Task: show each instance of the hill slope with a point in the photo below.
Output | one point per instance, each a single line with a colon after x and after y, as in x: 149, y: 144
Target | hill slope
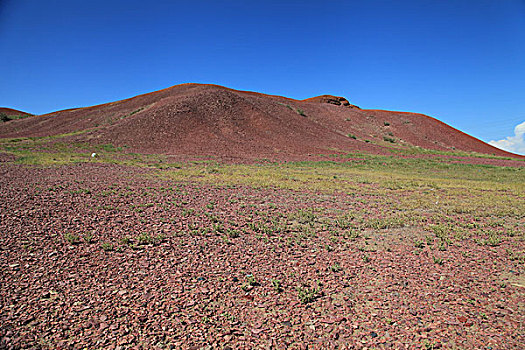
x: 196, y: 119
x: 11, y: 111
x: 9, y: 114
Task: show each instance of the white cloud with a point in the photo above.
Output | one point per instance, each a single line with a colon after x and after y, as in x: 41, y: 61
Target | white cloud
x: 514, y: 144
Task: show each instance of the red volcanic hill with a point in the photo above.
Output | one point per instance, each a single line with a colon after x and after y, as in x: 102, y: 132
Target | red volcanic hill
x: 196, y: 119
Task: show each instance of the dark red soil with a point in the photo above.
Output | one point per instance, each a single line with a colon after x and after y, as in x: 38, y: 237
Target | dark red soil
x: 210, y: 120
x: 191, y: 290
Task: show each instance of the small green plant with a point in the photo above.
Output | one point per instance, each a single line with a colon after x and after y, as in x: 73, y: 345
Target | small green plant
x: 307, y: 295
x: 493, y: 240
x: 390, y: 321
x: 4, y: 117
x: 352, y: 235
x: 286, y: 105
x: 107, y: 246
x: 130, y: 114
x: 352, y: 136
x: 336, y: 267
x: 145, y: 238
x: 232, y: 233
x: 389, y: 139
x: 438, y: 261
x: 301, y: 112
x: 252, y: 281
x: 125, y: 241
x: 277, y: 287
x: 72, y: 238
x: 81, y: 191
x: 428, y: 345
x: 88, y: 237
x: 419, y: 244
x: 386, y: 124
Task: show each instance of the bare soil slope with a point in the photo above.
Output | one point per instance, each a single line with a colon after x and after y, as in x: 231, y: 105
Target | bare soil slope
x: 196, y: 119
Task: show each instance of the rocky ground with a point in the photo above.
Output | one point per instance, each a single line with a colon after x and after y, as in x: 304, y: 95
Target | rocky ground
x: 107, y: 256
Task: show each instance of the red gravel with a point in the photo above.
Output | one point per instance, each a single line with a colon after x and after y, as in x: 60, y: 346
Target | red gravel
x: 190, y: 289
x: 204, y: 120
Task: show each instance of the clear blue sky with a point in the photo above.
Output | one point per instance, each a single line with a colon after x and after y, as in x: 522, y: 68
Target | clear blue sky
x: 461, y: 61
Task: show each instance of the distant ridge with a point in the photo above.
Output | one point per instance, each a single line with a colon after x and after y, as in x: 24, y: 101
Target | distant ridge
x: 11, y: 111
x: 211, y: 120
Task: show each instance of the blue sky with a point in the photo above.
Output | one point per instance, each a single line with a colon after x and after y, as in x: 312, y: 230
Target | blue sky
x: 461, y: 61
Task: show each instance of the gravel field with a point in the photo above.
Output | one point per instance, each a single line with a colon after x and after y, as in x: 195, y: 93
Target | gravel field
x: 115, y: 257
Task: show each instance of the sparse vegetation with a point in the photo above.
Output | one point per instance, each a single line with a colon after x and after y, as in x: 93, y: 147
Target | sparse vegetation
x: 301, y: 112
x: 277, y: 287
x: 251, y: 282
x: 106, y: 246
x: 72, y: 238
x: 4, y: 117
x: 88, y: 237
x: 335, y: 268
x: 307, y: 295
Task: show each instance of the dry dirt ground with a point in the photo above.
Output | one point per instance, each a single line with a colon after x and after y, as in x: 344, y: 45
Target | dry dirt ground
x: 109, y: 256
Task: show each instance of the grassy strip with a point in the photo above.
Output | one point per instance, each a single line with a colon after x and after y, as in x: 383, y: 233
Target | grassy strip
x: 446, y: 199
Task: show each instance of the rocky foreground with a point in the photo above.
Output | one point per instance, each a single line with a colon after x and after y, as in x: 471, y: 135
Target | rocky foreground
x: 106, y: 256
